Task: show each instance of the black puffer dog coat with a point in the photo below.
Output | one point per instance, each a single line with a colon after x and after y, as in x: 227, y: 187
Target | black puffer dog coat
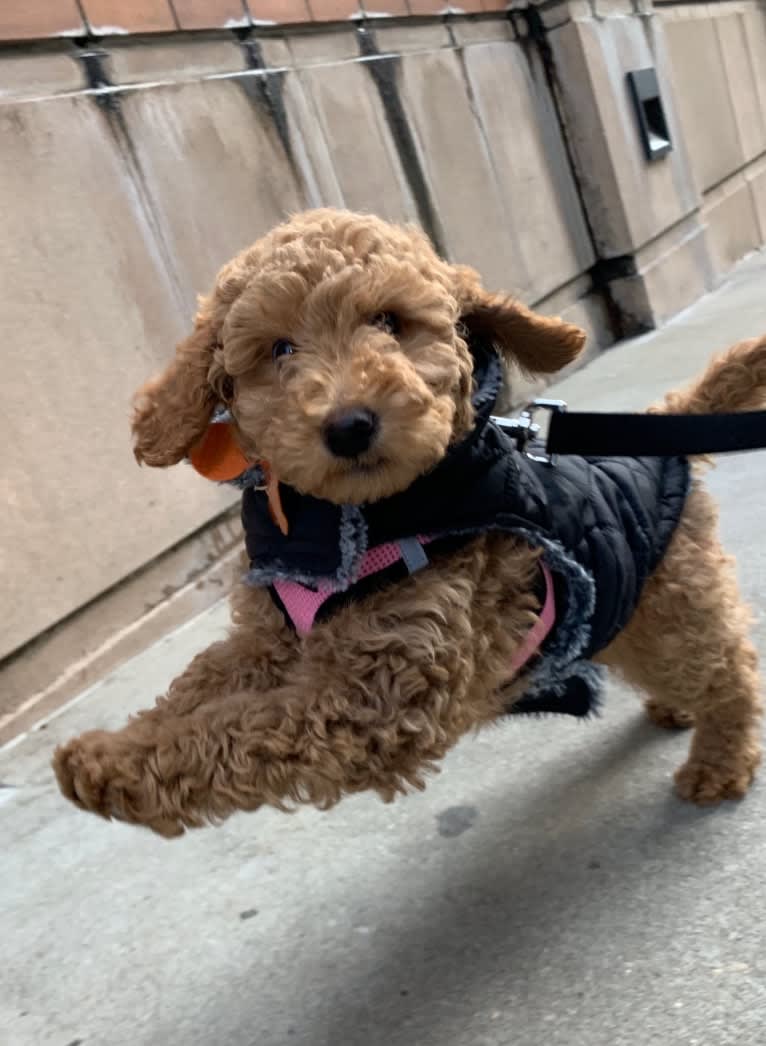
x: 603, y: 524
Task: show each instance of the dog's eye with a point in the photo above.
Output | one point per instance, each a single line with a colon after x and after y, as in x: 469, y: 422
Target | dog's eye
x: 386, y: 321
x: 281, y: 349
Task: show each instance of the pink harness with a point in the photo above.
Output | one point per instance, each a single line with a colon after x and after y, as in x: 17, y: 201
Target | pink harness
x: 302, y: 604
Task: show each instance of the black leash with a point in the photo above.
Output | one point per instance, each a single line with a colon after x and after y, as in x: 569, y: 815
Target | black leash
x: 633, y: 435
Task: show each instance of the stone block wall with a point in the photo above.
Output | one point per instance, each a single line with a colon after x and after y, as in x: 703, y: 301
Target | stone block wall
x: 665, y: 231
x: 717, y: 56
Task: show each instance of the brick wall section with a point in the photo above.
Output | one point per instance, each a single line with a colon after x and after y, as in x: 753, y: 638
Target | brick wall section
x: 41, y: 19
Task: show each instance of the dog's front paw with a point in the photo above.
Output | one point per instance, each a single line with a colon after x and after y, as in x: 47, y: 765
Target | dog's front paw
x: 705, y: 784
x: 107, y: 775
x: 82, y: 771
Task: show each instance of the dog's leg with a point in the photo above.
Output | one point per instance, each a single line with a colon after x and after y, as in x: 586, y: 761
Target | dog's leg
x: 376, y: 697
x: 687, y: 647
x: 251, y: 659
x: 96, y: 767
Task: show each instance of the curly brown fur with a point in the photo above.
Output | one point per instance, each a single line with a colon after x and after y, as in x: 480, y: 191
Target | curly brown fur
x: 687, y: 645
x: 374, y: 697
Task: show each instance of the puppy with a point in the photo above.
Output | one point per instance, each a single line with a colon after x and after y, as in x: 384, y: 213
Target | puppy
x: 412, y: 576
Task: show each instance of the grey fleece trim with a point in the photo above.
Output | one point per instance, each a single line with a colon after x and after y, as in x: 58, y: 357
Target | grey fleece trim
x: 561, y: 661
x: 572, y: 631
x: 260, y: 578
x: 353, y: 547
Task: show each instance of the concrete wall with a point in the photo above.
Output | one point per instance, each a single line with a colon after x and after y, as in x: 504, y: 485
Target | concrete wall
x: 666, y: 230
x: 134, y: 165
x: 718, y: 67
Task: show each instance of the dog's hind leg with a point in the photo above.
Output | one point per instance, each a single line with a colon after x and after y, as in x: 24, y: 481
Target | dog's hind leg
x: 688, y: 648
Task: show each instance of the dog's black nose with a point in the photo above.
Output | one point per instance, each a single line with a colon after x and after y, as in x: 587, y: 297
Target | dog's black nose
x: 350, y: 433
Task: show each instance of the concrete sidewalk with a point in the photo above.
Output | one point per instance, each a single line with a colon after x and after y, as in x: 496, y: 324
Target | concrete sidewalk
x: 546, y: 889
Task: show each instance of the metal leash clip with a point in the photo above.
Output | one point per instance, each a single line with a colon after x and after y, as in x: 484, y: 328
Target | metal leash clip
x: 526, y: 430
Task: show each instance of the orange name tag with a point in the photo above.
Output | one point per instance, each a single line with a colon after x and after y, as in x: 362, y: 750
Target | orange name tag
x: 217, y: 455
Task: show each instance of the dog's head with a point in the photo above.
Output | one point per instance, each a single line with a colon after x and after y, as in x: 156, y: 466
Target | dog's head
x: 338, y: 342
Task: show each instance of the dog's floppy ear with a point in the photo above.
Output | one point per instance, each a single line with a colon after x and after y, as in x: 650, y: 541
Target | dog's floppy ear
x: 172, y: 410
x: 538, y: 344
